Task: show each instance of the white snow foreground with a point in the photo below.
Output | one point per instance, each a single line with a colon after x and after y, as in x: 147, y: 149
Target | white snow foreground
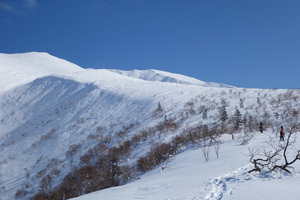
x: 53, y: 112
x: 189, y: 177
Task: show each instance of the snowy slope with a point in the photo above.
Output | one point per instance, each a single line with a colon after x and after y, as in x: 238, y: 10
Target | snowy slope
x: 61, y: 105
x: 49, y: 106
x: 161, y: 76
x: 189, y: 177
x: 18, y: 69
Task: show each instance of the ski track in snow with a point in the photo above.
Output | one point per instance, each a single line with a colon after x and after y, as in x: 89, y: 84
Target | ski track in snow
x: 224, y: 186
x: 220, y: 186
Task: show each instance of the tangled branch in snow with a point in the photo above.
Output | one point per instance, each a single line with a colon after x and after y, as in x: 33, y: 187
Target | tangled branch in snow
x: 262, y: 158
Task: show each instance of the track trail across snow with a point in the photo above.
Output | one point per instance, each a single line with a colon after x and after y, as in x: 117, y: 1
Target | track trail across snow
x: 223, y: 187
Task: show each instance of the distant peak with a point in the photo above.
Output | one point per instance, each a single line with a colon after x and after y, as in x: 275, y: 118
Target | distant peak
x: 163, y: 76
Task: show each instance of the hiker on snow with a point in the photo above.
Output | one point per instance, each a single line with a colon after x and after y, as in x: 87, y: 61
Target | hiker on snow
x: 261, y: 128
x: 281, y: 134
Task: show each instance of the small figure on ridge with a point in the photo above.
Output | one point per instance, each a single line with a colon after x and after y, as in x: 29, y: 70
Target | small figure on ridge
x: 282, y: 134
x: 261, y: 128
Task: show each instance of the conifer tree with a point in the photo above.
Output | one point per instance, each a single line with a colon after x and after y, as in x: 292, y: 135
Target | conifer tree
x: 237, y: 118
x: 223, y: 114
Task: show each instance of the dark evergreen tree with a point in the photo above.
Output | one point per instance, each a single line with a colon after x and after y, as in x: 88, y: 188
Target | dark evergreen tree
x: 204, y: 113
x: 223, y: 114
x: 237, y: 118
x: 241, y: 103
x: 258, y: 100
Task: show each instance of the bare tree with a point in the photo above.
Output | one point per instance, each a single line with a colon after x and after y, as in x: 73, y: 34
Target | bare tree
x: 217, y: 149
x: 206, y: 151
x: 289, y: 143
x: 262, y: 158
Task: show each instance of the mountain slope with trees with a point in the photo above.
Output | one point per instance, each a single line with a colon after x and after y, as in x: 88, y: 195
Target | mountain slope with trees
x: 78, y: 131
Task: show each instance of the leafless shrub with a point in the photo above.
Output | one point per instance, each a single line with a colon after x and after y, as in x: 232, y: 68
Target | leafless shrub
x: 179, y: 142
x: 206, y: 151
x: 127, y: 174
x: 122, y: 134
x: 224, y: 102
x: 158, y: 111
x: 45, y: 183
x: 20, y: 193
x: 100, y: 149
x: 246, y: 137
x: 166, y: 162
x: 41, y: 173
x: 80, y: 121
x: 48, y: 135
x: 190, y: 106
x: 42, y: 196
x: 136, y: 140
x: 217, y: 150
x: 168, y: 124
x: 73, y: 149
x: 55, y: 172
x: 262, y: 158
x: 41, y: 158
x: 33, y: 145
x: 158, y: 154
x: 100, y: 129
x: 92, y: 137
x: 107, y: 139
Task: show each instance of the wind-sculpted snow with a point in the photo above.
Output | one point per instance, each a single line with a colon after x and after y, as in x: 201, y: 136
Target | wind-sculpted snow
x: 42, y: 119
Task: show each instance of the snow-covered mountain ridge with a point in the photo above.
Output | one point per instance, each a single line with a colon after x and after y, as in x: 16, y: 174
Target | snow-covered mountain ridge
x: 17, y: 69
x: 161, y: 76
x: 54, y: 114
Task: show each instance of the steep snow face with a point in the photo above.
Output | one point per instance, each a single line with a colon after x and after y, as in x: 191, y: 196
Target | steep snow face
x: 41, y: 120
x: 161, y: 76
x: 18, y: 69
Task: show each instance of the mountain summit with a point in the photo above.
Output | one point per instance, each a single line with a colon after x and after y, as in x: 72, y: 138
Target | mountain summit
x: 18, y: 69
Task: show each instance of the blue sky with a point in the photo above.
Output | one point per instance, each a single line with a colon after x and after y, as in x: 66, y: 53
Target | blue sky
x: 246, y: 43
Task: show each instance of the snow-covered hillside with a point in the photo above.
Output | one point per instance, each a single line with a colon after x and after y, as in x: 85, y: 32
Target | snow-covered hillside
x: 57, y: 119
x: 161, y: 76
x: 189, y: 177
x: 18, y: 69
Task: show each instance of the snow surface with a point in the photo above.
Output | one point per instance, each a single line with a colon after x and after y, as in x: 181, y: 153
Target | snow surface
x: 162, y: 76
x: 18, y: 69
x: 189, y: 177
x: 48, y: 104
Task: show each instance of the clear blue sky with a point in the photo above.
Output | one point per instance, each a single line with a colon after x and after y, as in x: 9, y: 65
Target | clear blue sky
x: 247, y: 43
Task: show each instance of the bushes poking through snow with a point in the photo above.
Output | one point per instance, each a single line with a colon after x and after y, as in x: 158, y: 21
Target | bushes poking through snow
x: 279, y: 155
x: 104, y: 165
x: 105, y: 172
x: 157, y: 155
x: 73, y: 149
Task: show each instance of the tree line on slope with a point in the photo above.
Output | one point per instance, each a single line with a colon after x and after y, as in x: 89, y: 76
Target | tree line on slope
x: 103, y: 167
